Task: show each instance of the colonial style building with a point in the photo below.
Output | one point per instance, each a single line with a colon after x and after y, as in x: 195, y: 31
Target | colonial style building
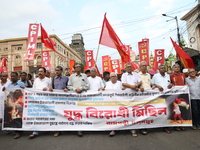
x: 15, y: 50
x: 78, y: 45
x: 192, y: 19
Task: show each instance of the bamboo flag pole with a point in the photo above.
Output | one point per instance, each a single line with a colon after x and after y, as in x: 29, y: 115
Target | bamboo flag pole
x: 97, y: 53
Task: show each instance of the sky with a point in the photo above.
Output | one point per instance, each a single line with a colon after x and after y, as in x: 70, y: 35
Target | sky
x: 132, y: 20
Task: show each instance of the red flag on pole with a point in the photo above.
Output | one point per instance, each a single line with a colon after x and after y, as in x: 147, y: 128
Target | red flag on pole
x: 32, y: 40
x: 159, y: 58
x: 109, y: 38
x: 71, y: 64
x: 185, y: 59
x: 143, y: 47
x: 48, y: 42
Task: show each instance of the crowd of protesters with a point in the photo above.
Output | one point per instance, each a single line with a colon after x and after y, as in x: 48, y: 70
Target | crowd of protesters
x: 137, y: 80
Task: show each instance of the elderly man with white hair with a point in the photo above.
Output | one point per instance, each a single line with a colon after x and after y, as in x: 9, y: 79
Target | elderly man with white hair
x: 95, y: 82
x: 114, y: 84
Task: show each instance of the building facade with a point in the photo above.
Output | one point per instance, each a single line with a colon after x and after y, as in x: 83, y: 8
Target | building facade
x: 77, y: 44
x: 192, y: 19
x: 15, y: 50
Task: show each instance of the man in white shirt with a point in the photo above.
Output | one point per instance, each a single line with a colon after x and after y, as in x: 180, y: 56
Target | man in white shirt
x: 4, y: 83
x: 43, y: 83
x: 114, y: 84
x: 131, y: 80
x: 95, y: 82
x: 161, y: 80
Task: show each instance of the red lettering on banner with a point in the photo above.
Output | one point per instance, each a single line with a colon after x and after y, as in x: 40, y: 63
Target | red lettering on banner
x: 73, y: 114
x: 148, y: 110
x: 93, y: 112
x: 32, y: 39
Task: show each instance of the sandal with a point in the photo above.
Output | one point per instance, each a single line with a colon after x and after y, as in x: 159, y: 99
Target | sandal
x: 177, y: 128
x: 17, y: 135
x: 80, y: 134
x: 8, y: 132
x: 134, y: 134
x: 56, y: 134
x: 32, y: 136
x: 112, y: 133
x: 144, y: 131
x: 167, y: 131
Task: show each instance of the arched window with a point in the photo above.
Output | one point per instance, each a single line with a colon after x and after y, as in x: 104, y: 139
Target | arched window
x: 18, y: 60
x: 39, y: 60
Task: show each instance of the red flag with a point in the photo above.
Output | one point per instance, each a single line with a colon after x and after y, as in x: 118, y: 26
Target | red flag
x: 185, y: 59
x: 71, y: 64
x: 32, y: 39
x: 106, y: 63
x: 143, y: 47
x: 126, y: 58
x: 109, y: 38
x: 89, y: 59
x: 115, y: 66
x: 48, y: 42
x: 159, y: 58
x: 134, y: 65
x: 46, y: 60
x: 3, y: 67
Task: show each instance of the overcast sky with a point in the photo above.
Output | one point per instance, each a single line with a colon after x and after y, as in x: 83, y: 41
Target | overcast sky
x: 131, y: 19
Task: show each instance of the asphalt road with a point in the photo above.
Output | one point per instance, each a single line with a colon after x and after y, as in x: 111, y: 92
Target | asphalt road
x: 157, y: 139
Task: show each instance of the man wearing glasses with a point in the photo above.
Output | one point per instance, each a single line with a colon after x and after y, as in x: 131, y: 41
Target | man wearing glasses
x: 78, y: 82
x: 131, y: 80
x: 59, y: 82
x: 194, y: 85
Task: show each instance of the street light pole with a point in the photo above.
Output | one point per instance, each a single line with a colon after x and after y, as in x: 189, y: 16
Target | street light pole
x: 177, y: 27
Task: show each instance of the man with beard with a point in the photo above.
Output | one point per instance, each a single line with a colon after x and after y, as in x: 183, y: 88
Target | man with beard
x: 42, y: 83
x: 15, y: 83
x: 59, y: 82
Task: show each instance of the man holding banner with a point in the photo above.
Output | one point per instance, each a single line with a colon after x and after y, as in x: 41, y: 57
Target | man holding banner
x: 131, y: 80
x: 95, y: 82
x: 161, y: 80
x: 43, y: 83
x: 146, y: 83
x: 78, y: 82
x: 59, y: 82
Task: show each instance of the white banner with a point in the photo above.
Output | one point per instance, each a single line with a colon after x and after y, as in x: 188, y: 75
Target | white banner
x: 32, y: 109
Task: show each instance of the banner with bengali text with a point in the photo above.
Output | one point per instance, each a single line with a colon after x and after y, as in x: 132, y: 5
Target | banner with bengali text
x: 30, y: 109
